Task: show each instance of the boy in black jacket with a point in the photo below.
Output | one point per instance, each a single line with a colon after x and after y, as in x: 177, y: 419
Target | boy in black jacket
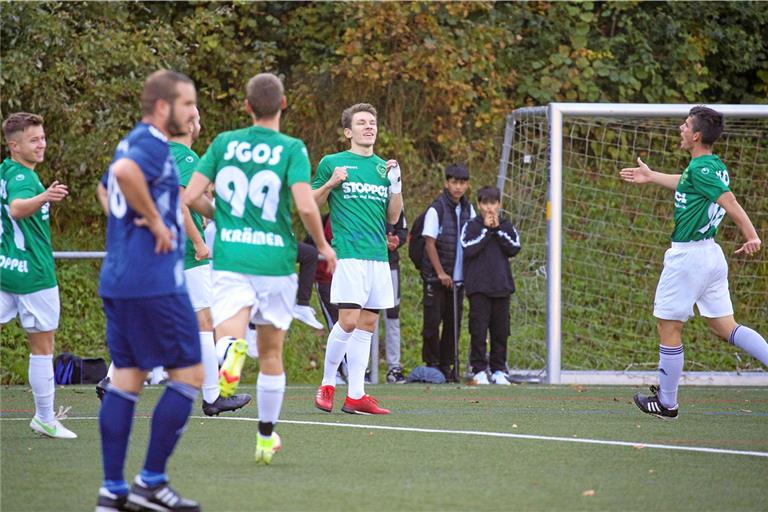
x: 489, y: 241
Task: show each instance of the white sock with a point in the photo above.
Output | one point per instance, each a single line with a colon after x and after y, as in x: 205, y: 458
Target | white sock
x: 269, y: 396
x: 253, y: 346
x: 210, y: 367
x: 43, y: 389
x: 671, y: 361
x: 335, y: 348
x: 111, y: 370
x: 750, y: 342
x: 358, y: 352
x: 222, y: 345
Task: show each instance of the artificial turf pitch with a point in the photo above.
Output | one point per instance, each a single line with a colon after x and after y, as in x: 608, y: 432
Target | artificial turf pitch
x: 444, y: 447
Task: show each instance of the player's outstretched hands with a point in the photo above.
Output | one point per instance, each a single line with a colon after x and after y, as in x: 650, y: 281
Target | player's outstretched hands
x: 56, y: 192
x: 639, y: 175
x: 327, y: 252
x: 339, y: 175
x: 163, y: 235
x: 750, y: 247
x: 394, y: 176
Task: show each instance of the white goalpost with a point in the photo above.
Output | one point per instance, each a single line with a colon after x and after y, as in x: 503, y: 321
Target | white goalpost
x: 593, y: 245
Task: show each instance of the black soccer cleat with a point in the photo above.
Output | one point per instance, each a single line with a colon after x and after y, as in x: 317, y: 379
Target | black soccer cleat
x: 101, y: 388
x: 109, y: 502
x: 161, y: 498
x: 652, y: 405
x: 395, y: 376
x: 230, y: 403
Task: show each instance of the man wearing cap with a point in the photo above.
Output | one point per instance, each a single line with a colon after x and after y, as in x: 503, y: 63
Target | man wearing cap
x: 441, y: 270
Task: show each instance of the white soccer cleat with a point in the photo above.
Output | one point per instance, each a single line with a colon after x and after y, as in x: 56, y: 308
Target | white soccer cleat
x: 481, y: 379
x: 53, y: 429
x: 500, y: 378
x: 307, y: 315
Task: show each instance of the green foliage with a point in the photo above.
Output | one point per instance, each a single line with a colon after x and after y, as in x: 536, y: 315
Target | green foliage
x: 442, y: 74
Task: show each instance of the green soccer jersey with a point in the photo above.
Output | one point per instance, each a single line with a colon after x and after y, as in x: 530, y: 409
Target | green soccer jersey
x: 186, y: 161
x: 26, y: 254
x: 253, y: 170
x: 697, y: 213
x: 358, y: 205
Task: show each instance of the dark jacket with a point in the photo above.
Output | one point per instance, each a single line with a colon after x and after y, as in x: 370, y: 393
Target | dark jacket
x: 448, y: 234
x: 486, y: 257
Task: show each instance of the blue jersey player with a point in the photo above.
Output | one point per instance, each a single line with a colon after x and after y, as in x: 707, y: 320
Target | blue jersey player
x: 150, y: 320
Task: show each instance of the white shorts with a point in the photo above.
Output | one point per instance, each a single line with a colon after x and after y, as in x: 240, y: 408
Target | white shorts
x: 366, y: 283
x: 199, y: 286
x: 39, y: 311
x: 271, y: 298
x: 694, y: 273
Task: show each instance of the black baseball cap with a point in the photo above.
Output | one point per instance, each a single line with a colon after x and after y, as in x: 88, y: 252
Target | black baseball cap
x: 458, y: 171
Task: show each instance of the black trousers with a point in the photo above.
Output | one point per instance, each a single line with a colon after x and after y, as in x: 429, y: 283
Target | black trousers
x: 488, y: 314
x: 307, y: 258
x: 438, y: 347
x: 330, y: 311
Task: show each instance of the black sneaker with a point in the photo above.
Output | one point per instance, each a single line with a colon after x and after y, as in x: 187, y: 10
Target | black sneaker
x: 395, y: 376
x: 221, y: 404
x: 101, y: 388
x: 651, y: 405
x: 160, y: 497
x: 109, y: 502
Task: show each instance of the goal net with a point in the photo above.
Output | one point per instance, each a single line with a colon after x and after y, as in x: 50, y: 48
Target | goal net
x: 593, y: 245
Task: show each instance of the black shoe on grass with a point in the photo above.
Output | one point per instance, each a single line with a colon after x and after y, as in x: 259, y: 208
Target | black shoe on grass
x: 109, y: 502
x: 221, y: 404
x: 161, y: 498
x: 101, y: 388
x: 652, y: 405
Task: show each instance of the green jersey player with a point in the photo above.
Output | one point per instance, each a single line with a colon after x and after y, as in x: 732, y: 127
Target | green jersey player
x: 198, y: 276
x: 258, y: 173
x: 364, y: 193
x: 28, y: 286
x: 695, y: 269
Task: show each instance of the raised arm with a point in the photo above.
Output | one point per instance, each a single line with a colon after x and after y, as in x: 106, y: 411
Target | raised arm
x: 320, y: 194
x: 741, y: 219
x: 20, y: 208
x: 643, y: 174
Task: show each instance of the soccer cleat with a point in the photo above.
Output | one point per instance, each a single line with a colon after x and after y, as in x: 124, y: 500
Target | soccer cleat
x: 229, y: 375
x: 266, y: 447
x: 101, y: 387
x: 324, y: 398
x: 395, y: 376
x: 53, y: 429
x: 161, y: 498
x: 481, y: 378
x: 109, y: 502
x: 652, y: 405
x: 221, y: 404
x: 500, y: 378
x: 307, y: 315
x: 363, y: 405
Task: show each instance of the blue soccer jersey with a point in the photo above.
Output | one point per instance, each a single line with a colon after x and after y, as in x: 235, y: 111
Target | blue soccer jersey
x: 131, y: 268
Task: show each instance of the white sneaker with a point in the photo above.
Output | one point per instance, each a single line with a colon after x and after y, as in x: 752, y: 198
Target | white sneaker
x: 54, y: 429
x: 499, y: 378
x: 481, y: 379
x: 307, y: 315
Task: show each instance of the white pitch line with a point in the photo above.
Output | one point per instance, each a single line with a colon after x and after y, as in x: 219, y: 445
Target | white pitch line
x: 479, y: 433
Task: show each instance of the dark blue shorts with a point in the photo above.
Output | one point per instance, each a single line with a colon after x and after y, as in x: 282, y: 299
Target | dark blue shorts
x: 152, y: 331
